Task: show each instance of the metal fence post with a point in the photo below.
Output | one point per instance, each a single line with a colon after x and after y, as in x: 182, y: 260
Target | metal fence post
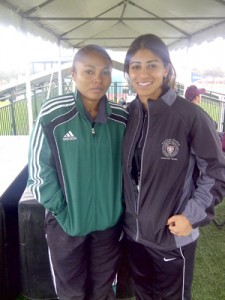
x: 12, y: 113
x: 115, y: 92
x: 35, y: 113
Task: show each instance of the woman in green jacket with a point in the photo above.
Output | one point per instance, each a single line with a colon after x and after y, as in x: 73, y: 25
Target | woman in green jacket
x: 75, y: 173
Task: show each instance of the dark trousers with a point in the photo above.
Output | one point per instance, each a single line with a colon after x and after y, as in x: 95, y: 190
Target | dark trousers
x: 125, y: 286
x: 83, y: 267
x: 161, y: 275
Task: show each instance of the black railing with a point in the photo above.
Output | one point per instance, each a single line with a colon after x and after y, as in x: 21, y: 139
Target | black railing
x: 14, y: 114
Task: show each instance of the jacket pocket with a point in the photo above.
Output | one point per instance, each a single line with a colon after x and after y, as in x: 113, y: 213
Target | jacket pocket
x: 62, y: 218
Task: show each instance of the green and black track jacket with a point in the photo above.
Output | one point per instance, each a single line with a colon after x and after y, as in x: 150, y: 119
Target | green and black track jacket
x: 75, y: 167
x: 182, y: 170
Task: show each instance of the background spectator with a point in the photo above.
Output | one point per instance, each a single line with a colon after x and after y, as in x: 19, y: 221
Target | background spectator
x: 193, y: 94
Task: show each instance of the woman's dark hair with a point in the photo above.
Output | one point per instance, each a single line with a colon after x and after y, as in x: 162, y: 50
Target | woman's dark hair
x: 82, y: 52
x: 156, y: 45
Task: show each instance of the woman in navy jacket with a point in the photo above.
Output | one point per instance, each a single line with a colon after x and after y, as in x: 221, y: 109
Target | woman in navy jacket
x: 174, y: 175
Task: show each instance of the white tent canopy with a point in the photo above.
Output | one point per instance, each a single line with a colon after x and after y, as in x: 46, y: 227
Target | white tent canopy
x: 113, y: 24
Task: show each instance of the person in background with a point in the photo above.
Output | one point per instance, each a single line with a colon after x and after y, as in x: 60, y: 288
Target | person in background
x: 223, y: 141
x: 193, y: 94
x: 75, y: 173
x: 122, y: 102
x: 173, y: 174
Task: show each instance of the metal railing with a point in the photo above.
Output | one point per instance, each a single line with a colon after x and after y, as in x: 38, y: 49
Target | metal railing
x: 14, y: 114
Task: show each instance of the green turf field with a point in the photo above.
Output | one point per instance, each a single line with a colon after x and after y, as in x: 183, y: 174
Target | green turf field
x: 213, y: 109
x: 4, y: 103
x: 209, y: 279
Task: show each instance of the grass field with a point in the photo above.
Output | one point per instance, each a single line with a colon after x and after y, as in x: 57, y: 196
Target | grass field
x: 2, y: 104
x: 212, y: 108
x: 209, y: 276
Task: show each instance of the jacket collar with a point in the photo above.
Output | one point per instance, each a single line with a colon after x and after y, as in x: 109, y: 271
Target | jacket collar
x: 103, y: 112
x: 168, y: 97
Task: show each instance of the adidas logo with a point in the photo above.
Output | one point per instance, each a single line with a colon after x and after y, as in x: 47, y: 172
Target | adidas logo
x: 69, y: 136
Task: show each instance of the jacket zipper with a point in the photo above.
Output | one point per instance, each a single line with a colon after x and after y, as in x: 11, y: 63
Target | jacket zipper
x: 93, y: 129
x: 128, y: 158
x: 93, y: 138
x: 139, y: 184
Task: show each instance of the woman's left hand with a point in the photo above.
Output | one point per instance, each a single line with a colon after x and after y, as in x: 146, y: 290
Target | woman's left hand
x: 179, y: 225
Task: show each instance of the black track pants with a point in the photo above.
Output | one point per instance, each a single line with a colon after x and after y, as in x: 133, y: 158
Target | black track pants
x: 161, y: 275
x: 83, y: 267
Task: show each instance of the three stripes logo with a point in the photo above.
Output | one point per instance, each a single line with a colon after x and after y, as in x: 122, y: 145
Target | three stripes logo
x: 69, y: 136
